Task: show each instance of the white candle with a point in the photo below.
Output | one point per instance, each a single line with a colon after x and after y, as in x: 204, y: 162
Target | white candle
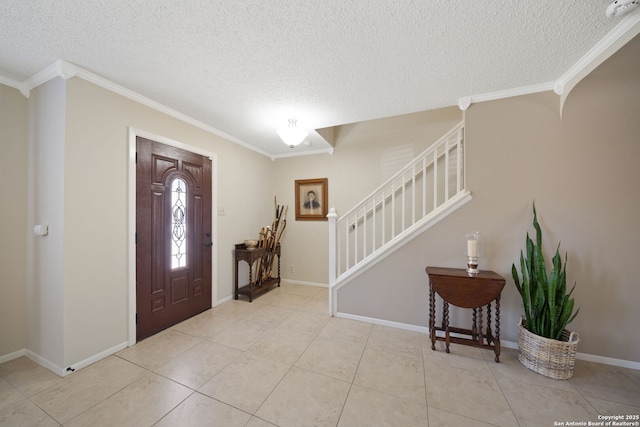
x: 472, y: 248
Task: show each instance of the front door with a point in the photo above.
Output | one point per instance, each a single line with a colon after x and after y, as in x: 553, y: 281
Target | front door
x: 173, y: 235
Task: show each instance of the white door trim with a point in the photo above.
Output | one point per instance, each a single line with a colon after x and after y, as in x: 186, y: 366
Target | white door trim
x: 131, y: 219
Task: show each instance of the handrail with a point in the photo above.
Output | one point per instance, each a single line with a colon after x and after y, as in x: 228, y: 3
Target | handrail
x: 431, y: 182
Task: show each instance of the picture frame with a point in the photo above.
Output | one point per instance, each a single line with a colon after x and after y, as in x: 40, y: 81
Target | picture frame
x: 312, y: 199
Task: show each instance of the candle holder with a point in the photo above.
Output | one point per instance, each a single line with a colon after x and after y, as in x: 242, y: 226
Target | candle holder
x: 473, y: 251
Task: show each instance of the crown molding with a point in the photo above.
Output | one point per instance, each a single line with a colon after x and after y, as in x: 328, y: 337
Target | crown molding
x: 127, y: 93
x: 59, y: 68
x: 14, y: 84
x: 466, y: 101
x: 621, y: 34
x: 628, y: 28
x: 329, y: 150
x: 66, y: 70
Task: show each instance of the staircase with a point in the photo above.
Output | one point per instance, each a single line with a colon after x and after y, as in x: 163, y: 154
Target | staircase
x: 412, y: 200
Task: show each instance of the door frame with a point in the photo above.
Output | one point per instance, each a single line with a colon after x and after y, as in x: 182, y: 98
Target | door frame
x: 131, y: 220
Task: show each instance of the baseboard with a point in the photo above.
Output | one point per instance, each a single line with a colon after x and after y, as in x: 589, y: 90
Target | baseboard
x: 96, y: 357
x: 46, y: 363
x: 608, y: 361
x: 79, y: 365
x: 223, y: 300
x: 505, y: 344
x: 58, y: 370
x: 36, y: 358
x: 293, y: 282
x: 382, y: 322
x: 300, y: 282
x: 14, y: 355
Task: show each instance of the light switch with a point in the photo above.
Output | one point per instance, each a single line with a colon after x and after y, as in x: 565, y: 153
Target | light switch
x: 41, y: 230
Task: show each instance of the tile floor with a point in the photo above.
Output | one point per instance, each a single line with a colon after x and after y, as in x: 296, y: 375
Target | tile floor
x: 281, y: 360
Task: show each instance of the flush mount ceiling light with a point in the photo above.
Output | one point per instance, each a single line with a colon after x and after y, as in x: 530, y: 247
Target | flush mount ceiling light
x: 621, y: 7
x: 291, y: 135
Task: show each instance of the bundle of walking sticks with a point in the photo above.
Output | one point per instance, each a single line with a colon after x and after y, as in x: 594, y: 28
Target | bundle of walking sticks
x: 269, y: 240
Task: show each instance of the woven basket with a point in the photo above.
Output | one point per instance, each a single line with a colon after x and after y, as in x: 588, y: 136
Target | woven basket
x: 551, y: 358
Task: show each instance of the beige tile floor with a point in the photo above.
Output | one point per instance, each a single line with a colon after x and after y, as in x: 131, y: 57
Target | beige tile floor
x: 281, y: 360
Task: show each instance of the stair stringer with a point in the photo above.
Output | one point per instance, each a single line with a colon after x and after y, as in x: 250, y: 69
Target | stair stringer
x: 396, y: 243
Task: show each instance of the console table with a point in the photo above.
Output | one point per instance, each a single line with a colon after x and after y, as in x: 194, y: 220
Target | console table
x: 254, y: 287
x: 459, y: 288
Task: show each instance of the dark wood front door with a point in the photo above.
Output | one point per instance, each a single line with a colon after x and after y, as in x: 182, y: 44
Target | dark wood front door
x: 173, y: 226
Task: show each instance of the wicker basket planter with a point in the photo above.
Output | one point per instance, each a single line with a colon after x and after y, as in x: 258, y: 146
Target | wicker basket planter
x: 551, y: 358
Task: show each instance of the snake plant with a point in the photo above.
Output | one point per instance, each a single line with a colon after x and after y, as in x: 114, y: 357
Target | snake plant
x: 548, y: 307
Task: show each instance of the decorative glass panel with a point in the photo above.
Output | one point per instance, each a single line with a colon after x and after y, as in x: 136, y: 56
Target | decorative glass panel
x: 178, y: 223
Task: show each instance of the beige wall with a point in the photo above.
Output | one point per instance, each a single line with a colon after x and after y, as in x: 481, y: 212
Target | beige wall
x: 76, y: 303
x: 96, y: 209
x: 45, y: 205
x: 366, y: 154
x: 582, y: 172
x: 13, y: 221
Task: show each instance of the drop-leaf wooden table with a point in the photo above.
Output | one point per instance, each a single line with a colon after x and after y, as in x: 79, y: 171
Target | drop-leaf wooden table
x: 459, y: 288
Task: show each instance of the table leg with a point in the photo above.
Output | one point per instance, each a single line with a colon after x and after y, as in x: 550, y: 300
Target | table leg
x: 278, y: 270
x: 496, y: 349
x: 474, y: 327
x: 432, y: 317
x: 489, y: 335
x: 251, y: 284
x: 445, y: 323
x: 235, y: 283
x: 480, y: 334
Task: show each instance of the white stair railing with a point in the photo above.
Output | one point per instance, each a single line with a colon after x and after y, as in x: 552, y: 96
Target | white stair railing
x: 428, y: 185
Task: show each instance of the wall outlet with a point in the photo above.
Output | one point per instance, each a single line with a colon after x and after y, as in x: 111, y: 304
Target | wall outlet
x: 292, y: 269
x: 220, y: 210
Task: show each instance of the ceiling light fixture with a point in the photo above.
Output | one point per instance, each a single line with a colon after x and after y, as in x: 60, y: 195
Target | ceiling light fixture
x: 291, y: 135
x: 621, y: 7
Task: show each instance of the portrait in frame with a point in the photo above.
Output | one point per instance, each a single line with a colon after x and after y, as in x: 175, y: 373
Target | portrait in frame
x: 312, y: 199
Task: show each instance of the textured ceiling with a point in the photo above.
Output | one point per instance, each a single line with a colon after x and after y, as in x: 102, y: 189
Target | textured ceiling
x: 245, y: 67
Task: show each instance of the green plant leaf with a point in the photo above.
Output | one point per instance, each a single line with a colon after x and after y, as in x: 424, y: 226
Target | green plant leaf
x: 516, y: 280
x: 526, y: 292
x: 548, y: 307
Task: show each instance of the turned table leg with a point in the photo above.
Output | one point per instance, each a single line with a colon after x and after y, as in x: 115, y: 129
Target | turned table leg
x: 496, y: 343
x: 474, y: 326
x: 480, y: 334
x: 432, y: 317
x: 445, y: 323
x: 489, y: 335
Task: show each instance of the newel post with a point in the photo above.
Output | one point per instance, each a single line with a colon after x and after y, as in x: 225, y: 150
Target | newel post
x: 332, y: 216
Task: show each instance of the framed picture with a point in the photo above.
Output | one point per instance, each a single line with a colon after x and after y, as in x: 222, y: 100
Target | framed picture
x: 312, y: 199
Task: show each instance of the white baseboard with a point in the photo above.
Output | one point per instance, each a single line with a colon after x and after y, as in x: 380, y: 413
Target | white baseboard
x: 382, y: 322
x: 14, y: 355
x: 58, y: 370
x: 300, y: 282
x: 36, y: 358
x: 223, y: 300
x: 46, y: 363
x: 608, y: 361
x: 283, y: 280
x: 96, y: 357
x: 505, y: 344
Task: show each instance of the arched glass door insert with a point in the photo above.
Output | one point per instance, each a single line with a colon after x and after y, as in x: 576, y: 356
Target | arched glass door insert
x: 178, y: 223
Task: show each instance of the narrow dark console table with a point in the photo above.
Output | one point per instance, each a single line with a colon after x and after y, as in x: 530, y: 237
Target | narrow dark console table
x: 255, y: 287
x: 461, y: 289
